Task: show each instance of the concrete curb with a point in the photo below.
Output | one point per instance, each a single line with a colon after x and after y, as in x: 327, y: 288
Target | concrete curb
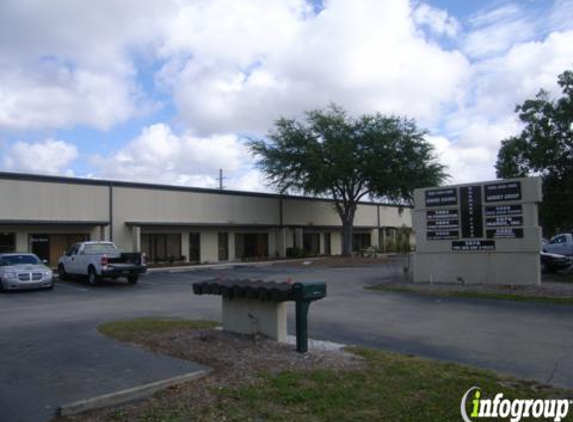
x: 123, y: 396
x: 225, y: 266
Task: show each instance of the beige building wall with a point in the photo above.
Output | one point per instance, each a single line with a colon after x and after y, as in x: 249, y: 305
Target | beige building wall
x: 27, y: 200
x: 180, y: 211
x: 393, y: 216
x: 322, y: 213
x: 164, y: 206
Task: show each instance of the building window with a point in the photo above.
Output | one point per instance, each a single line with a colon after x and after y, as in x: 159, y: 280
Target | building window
x: 7, y: 242
x: 311, y: 243
x: 50, y: 247
x: 327, y: 246
x: 360, y: 241
x: 251, y: 245
x: 223, y: 246
x: 195, y: 247
x: 162, y: 247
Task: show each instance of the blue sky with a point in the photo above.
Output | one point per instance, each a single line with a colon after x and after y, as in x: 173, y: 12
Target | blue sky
x: 166, y: 92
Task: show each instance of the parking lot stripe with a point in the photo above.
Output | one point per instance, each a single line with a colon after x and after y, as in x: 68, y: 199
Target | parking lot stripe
x: 71, y: 287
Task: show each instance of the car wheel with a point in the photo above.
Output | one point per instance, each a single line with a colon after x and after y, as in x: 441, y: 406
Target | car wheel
x: 92, y: 276
x: 63, y: 275
x: 132, y: 279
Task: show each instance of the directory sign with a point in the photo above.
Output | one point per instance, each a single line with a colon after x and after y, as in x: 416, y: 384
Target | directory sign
x: 441, y: 197
x: 463, y: 214
x: 500, y: 192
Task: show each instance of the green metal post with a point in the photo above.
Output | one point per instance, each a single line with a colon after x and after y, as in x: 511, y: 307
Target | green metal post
x: 302, y: 325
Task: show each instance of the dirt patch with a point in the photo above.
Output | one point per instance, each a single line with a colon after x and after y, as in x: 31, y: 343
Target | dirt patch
x: 235, y: 360
x: 340, y: 261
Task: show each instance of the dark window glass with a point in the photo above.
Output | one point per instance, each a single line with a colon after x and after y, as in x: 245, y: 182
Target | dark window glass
x: 7, y: 242
x: 223, y: 246
x: 311, y: 243
x: 195, y: 247
x: 23, y: 259
x: 327, y: 246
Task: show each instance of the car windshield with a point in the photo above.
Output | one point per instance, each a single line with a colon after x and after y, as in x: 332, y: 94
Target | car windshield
x: 96, y: 248
x: 9, y: 260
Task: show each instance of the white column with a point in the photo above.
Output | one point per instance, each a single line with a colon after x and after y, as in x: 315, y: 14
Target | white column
x: 298, y: 238
x: 185, y: 244
x: 136, y: 238
x: 282, y: 234
x: 231, y: 246
x: 374, y: 237
x: 22, y: 244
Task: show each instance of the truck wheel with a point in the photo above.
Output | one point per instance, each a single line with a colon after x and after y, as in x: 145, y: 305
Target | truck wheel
x: 132, y: 279
x: 62, y: 273
x: 92, y: 276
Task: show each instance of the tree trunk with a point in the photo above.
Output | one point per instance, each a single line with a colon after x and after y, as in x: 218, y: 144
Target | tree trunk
x: 347, y: 229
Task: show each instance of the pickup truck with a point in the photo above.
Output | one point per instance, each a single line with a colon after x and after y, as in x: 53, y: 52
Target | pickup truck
x: 562, y: 244
x: 96, y: 260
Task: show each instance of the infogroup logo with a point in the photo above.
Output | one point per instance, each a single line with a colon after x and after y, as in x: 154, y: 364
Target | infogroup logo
x: 515, y: 410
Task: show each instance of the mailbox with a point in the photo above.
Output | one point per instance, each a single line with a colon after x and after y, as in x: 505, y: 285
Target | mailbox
x: 303, y: 293
x: 309, y: 290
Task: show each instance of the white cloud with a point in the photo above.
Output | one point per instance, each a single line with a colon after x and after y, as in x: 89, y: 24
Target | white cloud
x: 50, y: 156
x: 233, y: 67
x: 57, y: 96
x: 472, y: 134
x: 158, y: 155
x: 495, y: 30
x: 68, y: 63
x: 367, y: 55
x: 437, y: 20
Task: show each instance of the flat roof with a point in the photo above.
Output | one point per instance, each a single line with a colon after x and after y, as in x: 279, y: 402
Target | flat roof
x: 24, y: 222
x: 153, y: 186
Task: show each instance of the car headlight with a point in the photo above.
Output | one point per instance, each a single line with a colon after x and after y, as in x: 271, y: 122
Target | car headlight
x: 47, y: 274
x: 10, y: 275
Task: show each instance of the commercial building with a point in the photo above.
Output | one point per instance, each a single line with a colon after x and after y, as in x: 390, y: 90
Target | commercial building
x: 47, y: 214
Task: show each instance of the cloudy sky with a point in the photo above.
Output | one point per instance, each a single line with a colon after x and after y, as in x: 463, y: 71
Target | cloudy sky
x: 168, y: 91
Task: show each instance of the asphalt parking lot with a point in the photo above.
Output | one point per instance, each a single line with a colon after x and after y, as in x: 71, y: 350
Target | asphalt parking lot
x: 51, y: 349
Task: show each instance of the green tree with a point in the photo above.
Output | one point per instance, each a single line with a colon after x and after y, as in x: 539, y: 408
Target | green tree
x: 332, y: 154
x: 545, y: 148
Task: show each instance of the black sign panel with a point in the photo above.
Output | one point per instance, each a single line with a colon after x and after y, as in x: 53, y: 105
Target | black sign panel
x: 504, y: 233
x: 443, y: 224
x: 442, y: 234
x: 508, y: 221
x: 505, y: 191
x: 441, y: 214
x: 473, y: 245
x: 501, y: 210
x: 441, y: 197
x: 471, y: 213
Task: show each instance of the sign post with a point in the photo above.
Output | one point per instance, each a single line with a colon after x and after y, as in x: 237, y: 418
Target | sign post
x: 478, y: 233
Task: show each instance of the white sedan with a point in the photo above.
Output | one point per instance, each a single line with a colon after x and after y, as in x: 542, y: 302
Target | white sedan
x: 24, y: 271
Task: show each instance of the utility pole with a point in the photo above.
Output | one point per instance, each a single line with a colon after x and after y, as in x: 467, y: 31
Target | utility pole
x: 221, y: 178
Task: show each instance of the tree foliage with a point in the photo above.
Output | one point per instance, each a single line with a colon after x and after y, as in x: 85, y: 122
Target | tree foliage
x: 332, y: 154
x: 545, y: 148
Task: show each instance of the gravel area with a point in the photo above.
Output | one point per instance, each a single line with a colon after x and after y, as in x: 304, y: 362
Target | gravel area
x: 340, y: 261
x: 236, y: 360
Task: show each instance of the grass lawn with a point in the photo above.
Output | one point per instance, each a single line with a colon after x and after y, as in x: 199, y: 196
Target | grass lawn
x: 474, y: 294
x: 389, y: 387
